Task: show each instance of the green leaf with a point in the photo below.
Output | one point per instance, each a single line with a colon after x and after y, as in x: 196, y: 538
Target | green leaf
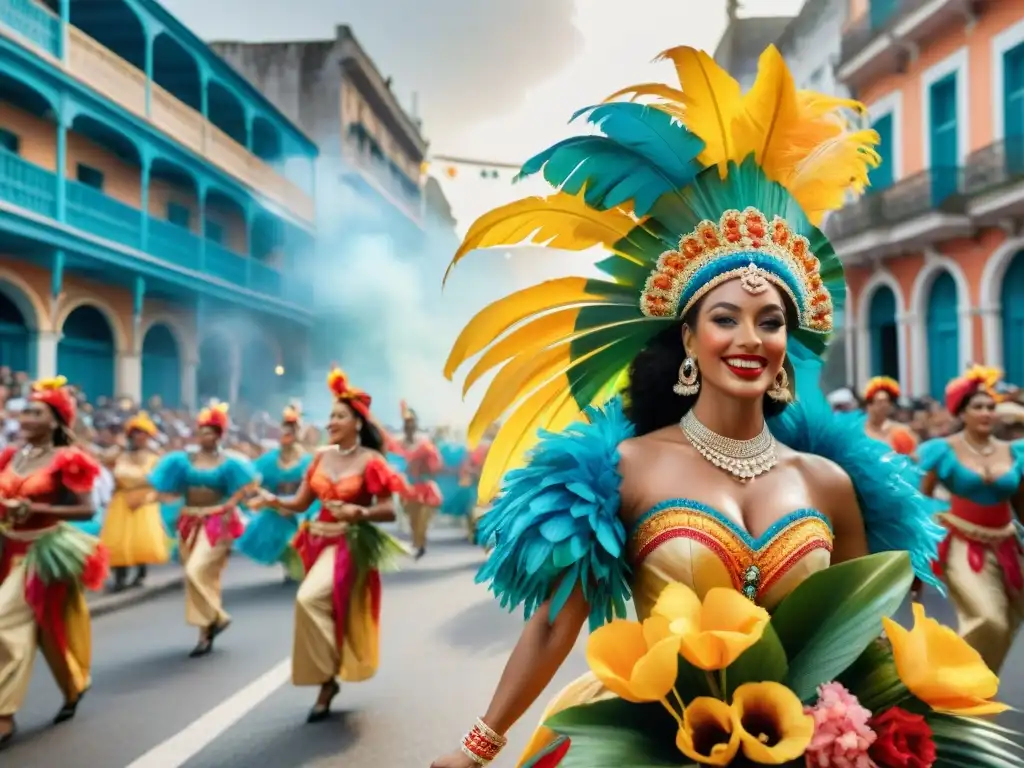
x: 985, y: 743
x: 763, y: 662
x: 691, y: 682
x: 614, y: 733
x: 873, y: 678
x: 832, y: 616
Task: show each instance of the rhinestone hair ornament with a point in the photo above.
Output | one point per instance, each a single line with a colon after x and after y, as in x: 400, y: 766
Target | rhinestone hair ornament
x: 698, y: 185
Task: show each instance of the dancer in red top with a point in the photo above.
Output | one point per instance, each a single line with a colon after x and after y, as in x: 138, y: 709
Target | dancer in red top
x: 44, y: 563
x: 337, y: 610
x: 422, y: 463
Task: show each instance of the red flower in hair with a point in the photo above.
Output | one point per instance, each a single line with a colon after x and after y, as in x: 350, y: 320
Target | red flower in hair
x: 77, y: 470
x: 215, y: 416
x: 339, y: 385
x: 54, y: 393
x: 291, y: 415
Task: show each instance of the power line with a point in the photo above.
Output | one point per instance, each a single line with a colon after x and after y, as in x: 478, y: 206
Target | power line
x: 474, y: 162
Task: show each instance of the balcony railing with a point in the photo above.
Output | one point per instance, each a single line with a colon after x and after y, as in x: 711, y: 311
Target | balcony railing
x: 34, y: 189
x: 996, y: 165
x: 120, y: 82
x: 378, y: 171
x: 940, y: 190
x: 881, y: 16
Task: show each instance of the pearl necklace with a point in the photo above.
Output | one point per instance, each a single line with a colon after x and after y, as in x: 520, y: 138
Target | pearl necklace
x: 349, y: 451
x: 743, y: 459
x: 987, y: 450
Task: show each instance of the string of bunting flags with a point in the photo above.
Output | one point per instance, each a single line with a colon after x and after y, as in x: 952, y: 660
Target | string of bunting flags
x: 464, y: 167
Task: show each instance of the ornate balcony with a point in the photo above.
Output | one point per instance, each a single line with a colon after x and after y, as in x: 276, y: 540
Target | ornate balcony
x: 36, y: 28
x: 995, y: 181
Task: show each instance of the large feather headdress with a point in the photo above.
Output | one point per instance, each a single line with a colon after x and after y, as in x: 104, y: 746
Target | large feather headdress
x: 701, y: 185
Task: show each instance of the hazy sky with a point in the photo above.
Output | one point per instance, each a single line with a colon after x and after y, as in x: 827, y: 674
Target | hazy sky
x: 494, y: 80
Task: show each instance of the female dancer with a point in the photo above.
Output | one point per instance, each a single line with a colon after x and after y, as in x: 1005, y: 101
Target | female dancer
x: 452, y: 477
x: 422, y: 462
x: 212, y: 482
x: 268, y: 537
x: 133, y: 530
x: 980, y: 558
x: 45, y: 563
x: 722, y: 294
x: 337, y: 610
x: 880, y: 395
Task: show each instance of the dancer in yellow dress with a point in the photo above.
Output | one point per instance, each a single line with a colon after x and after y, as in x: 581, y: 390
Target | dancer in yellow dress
x: 722, y: 464
x: 213, y: 482
x: 133, y: 530
x: 45, y: 564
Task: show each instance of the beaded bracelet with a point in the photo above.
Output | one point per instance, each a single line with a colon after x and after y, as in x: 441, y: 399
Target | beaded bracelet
x: 482, y: 744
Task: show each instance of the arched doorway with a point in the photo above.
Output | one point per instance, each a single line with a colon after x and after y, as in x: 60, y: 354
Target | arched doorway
x: 883, y: 334
x: 15, y: 336
x: 259, y: 382
x: 943, y: 335
x: 1012, y: 302
x: 161, y: 366
x: 214, y: 374
x: 86, y: 352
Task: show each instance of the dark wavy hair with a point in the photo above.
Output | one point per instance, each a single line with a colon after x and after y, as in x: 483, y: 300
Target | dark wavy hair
x: 370, y: 435
x: 650, y: 402
x: 62, y: 434
x: 966, y: 401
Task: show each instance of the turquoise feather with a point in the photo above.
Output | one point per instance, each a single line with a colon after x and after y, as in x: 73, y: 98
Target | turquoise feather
x: 642, y: 156
x: 555, y: 527
x: 897, y: 516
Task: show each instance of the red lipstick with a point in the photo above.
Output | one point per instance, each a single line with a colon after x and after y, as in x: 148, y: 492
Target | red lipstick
x: 748, y: 371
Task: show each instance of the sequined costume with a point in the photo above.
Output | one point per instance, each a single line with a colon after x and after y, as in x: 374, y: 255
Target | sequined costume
x: 705, y: 185
x: 45, y: 566
x: 980, y: 559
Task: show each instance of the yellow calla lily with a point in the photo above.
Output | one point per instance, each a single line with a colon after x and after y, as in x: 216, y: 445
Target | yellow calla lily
x: 714, y: 634
x: 637, y: 662
x: 707, y: 734
x: 941, y: 669
x: 771, y: 723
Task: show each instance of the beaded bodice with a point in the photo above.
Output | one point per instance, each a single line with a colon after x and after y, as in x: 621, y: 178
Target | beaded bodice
x: 686, y: 541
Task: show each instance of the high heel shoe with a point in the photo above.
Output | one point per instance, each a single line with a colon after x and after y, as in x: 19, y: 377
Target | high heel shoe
x: 69, y: 709
x: 8, y: 737
x: 319, y: 711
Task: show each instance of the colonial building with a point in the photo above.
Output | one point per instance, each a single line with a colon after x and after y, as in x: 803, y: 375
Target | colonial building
x: 936, y: 250
x: 156, y: 211
x: 744, y: 39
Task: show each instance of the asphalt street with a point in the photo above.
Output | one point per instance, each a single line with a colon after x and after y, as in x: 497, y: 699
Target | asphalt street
x: 444, y: 644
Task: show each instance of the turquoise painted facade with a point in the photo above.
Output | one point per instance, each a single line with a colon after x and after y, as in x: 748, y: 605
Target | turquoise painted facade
x: 244, y: 159
x: 882, y: 329
x: 942, y: 335
x: 1012, y: 303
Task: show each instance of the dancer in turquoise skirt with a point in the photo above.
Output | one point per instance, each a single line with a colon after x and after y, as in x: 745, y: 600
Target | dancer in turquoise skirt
x: 268, y: 535
x: 459, y: 497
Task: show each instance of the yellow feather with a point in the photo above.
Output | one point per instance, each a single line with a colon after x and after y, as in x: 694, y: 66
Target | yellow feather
x: 711, y: 99
x: 560, y: 221
x: 535, y: 335
x: 550, y: 407
x: 801, y: 139
x: 658, y: 90
x: 494, y: 319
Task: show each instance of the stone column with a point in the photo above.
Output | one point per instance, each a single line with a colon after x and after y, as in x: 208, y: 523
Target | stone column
x: 46, y: 354
x: 129, y: 375
x: 189, y: 383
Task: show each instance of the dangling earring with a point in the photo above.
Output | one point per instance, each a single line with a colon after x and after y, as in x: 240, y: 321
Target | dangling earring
x: 688, y: 384
x: 779, y: 391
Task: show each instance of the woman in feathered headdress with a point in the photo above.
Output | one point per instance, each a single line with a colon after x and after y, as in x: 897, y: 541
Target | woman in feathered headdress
x: 717, y: 301
x: 212, y: 483
x: 337, y: 610
x: 268, y: 537
x: 880, y: 396
x: 133, y: 530
x: 980, y: 558
x: 45, y: 564
x: 421, y: 462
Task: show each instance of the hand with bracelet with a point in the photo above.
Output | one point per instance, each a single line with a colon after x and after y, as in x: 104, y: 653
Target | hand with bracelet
x: 480, y: 746
x: 347, y: 513
x: 17, y: 510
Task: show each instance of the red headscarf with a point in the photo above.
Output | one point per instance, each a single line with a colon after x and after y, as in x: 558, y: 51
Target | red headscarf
x: 358, y: 399
x: 215, y: 416
x: 977, y: 379
x: 54, y: 392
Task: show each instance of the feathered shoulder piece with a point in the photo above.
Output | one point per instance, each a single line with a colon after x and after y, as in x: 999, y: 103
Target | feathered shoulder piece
x: 897, y: 516
x: 701, y: 185
x: 555, y: 526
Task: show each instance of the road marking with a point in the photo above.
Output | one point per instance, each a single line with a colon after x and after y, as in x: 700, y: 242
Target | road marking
x: 186, y: 744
